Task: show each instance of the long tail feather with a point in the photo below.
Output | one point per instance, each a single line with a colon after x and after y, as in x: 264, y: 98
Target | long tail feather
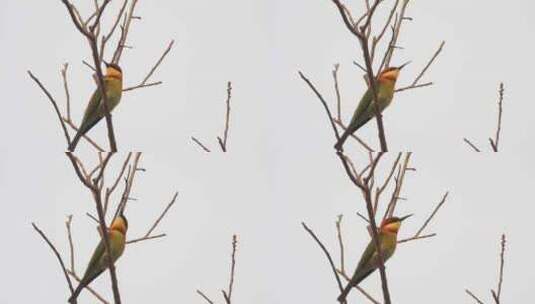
x: 81, y: 132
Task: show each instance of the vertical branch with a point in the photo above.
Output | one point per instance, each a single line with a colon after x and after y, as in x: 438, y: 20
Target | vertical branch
x: 71, y: 245
x: 337, y: 90
x: 340, y: 242
x: 91, y: 36
x: 496, y: 294
x: 66, y: 87
x: 364, y: 43
x: 228, y: 294
x: 223, y: 142
x: 494, y: 143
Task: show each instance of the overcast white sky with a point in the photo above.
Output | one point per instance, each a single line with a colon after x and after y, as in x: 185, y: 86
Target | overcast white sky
x: 281, y: 168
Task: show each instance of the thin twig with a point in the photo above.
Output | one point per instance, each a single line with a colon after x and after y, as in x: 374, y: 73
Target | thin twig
x: 228, y: 294
x: 323, y: 102
x: 146, y: 238
x: 111, y: 189
x: 442, y: 201
x: 54, y: 104
x: 204, y: 297
x: 414, y: 238
x: 71, y: 245
x: 327, y: 254
x: 223, y: 142
x: 66, y: 87
x: 58, y: 256
x: 153, y: 69
x: 337, y: 91
x: 340, y: 242
x: 139, y: 86
x: 466, y: 140
x: 198, y: 142
x: 495, y: 143
x: 435, y: 55
x: 159, y: 219
x: 473, y: 296
x: 498, y: 293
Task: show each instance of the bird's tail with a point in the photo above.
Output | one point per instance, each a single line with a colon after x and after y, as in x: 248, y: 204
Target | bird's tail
x: 75, y: 141
x: 84, y: 128
x: 340, y: 143
x: 342, y: 297
x: 76, y: 292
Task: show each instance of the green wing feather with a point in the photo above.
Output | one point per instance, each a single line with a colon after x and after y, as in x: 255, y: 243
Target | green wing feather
x: 366, y: 264
x: 359, y: 116
x: 91, y: 112
x: 95, y: 267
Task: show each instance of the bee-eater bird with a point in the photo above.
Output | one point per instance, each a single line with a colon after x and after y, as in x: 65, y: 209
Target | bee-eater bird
x: 99, y: 261
x: 369, y: 261
x: 95, y: 111
x: 385, y: 86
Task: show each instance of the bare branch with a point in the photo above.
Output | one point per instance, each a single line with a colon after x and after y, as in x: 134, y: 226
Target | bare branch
x: 414, y: 84
x: 473, y: 296
x: 66, y: 87
x: 442, y: 201
x: 495, y: 293
x: 340, y: 242
x: 146, y: 238
x: 495, y: 143
x: 223, y: 142
x: 327, y: 254
x: 205, y: 297
x: 58, y: 256
x: 337, y: 91
x: 159, y: 219
x: 322, y: 100
x: 160, y: 60
x: 415, y: 238
x: 54, y: 104
x: 228, y: 294
x: 139, y: 86
x: 198, y: 142
x: 466, y: 140
x: 498, y: 293
x: 71, y: 245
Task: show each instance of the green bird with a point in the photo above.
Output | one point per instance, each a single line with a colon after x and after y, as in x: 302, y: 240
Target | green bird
x: 385, y: 86
x: 95, y: 111
x: 99, y: 261
x: 369, y: 261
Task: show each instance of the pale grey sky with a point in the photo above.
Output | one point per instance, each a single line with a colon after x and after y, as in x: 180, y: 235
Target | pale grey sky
x: 281, y: 168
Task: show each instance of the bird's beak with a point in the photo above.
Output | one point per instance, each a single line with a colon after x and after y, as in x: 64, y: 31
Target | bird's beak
x: 106, y: 63
x: 403, y: 65
x: 401, y: 219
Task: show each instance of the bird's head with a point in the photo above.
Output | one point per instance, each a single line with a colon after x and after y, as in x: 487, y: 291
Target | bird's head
x: 113, y: 71
x: 391, y: 74
x: 120, y: 224
x: 392, y: 224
